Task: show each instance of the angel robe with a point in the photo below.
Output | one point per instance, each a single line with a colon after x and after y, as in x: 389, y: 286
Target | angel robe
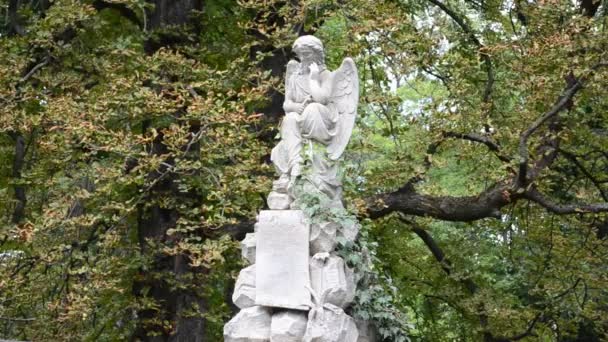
x: 317, y: 122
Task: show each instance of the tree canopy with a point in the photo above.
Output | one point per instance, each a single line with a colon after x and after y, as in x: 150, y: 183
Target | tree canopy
x: 135, y: 138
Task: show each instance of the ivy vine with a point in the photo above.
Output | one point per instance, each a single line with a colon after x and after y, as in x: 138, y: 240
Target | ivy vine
x: 375, y: 295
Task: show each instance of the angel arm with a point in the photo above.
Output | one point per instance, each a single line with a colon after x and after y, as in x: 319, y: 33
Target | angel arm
x: 320, y: 89
x: 288, y: 104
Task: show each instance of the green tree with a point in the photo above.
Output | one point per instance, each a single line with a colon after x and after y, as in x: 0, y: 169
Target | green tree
x: 135, y: 139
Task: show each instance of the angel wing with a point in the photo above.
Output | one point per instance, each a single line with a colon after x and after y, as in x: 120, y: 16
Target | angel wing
x: 344, y: 99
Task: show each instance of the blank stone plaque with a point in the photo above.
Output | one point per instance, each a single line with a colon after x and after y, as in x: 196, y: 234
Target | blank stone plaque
x: 282, y: 271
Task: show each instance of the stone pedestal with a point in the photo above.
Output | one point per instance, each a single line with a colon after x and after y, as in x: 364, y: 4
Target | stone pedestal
x: 323, y: 237
x: 249, y: 325
x: 244, y: 290
x: 329, y: 323
x: 288, y: 326
x: 278, y: 201
x: 367, y: 332
x: 331, y: 279
x: 248, y: 248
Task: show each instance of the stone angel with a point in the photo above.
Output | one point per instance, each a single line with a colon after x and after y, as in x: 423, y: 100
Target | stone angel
x: 320, y: 110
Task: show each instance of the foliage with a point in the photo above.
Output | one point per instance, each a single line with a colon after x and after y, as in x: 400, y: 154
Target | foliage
x: 374, y: 297
x: 135, y: 138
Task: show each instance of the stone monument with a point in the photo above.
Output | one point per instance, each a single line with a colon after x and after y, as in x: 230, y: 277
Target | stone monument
x: 296, y: 287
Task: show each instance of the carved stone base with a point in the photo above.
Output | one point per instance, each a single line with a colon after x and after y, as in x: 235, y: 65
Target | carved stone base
x: 288, y: 326
x: 278, y: 201
x: 330, y: 278
x: 244, y: 290
x: 248, y: 248
x: 250, y: 325
x: 330, y: 324
x: 323, y: 237
x: 367, y: 332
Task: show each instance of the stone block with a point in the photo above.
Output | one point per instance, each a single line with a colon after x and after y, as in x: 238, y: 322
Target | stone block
x: 367, y: 332
x: 278, y: 201
x: 323, y: 237
x: 282, y: 271
x: 329, y: 323
x: 248, y: 248
x: 249, y: 325
x: 331, y: 278
x: 288, y: 326
x: 349, y: 231
x: 244, y: 289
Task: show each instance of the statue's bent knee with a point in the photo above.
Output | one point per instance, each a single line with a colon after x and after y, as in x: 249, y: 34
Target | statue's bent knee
x: 314, y: 108
x: 291, y: 116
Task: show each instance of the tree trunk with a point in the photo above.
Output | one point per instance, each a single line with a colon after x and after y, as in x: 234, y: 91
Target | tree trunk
x: 21, y: 199
x: 172, y: 320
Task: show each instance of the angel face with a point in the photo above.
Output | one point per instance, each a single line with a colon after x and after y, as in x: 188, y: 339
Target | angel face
x: 305, y: 54
x: 309, y: 49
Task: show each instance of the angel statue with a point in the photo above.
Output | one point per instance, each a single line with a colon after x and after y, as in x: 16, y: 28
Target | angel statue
x: 320, y: 109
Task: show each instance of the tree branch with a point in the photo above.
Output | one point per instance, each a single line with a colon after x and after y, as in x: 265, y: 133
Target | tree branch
x: 563, y: 101
x: 487, y: 93
x: 237, y: 230
x: 468, y: 284
x: 124, y: 11
x: 20, y: 196
x: 33, y: 70
x: 572, y: 157
x: 446, y: 264
x: 14, y: 27
x: 527, y: 332
x: 563, y: 209
x: 15, y: 319
x: 406, y: 200
x: 492, y: 145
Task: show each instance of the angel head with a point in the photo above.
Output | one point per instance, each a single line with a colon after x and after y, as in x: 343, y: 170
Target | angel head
x: 309, y: 49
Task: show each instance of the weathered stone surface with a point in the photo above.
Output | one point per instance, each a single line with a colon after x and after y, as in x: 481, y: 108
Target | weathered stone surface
x: 330, y: 277
x: 249, y: 325
x: 323, y: 237
x: 278, y: 201
x: 248, y: 247
x: 329, y: 323
x: 288, y: 326
x: 282, y: 272
x: 349, y: 231
x: 367, y: 332
x: 309, y: 89
x: 244, y: 290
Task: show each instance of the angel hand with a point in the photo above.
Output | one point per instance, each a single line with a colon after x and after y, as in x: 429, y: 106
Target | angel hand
x: 299, y: 107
